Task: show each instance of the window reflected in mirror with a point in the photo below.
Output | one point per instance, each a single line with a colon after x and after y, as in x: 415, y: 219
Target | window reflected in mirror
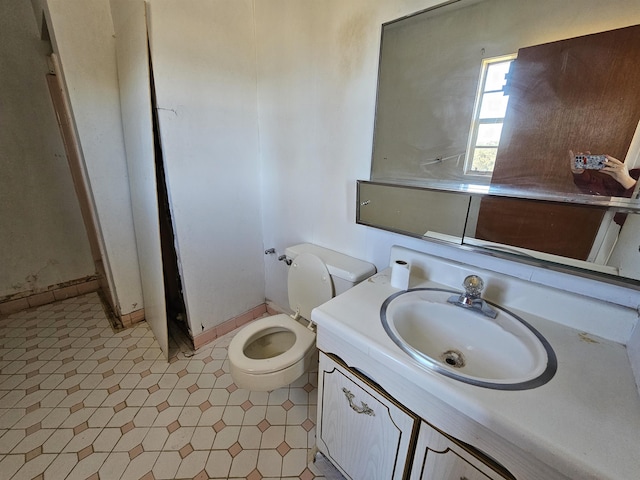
x: 488, y: 116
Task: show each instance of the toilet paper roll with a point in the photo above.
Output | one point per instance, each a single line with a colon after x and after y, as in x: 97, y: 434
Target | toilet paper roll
x: 400, y: 274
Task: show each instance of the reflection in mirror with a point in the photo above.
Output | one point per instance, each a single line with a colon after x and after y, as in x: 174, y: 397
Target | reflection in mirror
x: 497, y: 92
x: 495, y: 98
x: 527, y: 230
x: 554, y: 107
x: 537, y: 229
x: 413, y: 211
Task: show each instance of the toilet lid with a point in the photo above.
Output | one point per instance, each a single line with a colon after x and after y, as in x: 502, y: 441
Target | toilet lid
x: 309, y: 284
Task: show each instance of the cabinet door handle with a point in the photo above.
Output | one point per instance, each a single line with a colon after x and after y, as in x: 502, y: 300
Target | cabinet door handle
x: 363, y: 409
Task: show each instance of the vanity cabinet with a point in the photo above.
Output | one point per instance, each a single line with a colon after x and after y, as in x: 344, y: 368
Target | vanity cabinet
x: 368, y: 435
x: 362, y: 430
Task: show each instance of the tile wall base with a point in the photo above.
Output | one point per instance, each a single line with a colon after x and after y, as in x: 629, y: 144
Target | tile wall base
x: 17, y: 303
x: 229, y: 325
x: 130, y: 319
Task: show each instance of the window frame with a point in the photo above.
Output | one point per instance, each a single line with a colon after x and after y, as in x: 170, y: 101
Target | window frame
x: 476, y: 122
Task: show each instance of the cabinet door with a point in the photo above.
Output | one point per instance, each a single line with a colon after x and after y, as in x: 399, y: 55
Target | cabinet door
x: 440, y: 458
x: 364, y: 432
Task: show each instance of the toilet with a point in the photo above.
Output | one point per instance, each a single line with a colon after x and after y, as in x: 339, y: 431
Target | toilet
x: 274, y: 351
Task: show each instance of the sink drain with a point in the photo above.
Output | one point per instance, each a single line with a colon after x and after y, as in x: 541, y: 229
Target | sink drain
x: 453, y: 358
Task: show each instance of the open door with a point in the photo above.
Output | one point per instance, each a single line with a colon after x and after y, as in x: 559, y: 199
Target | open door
x: 130, y: 24
x: 561, y: 97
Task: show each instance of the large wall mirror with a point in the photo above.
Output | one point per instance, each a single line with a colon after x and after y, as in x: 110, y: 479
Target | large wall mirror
x: 491, y: 101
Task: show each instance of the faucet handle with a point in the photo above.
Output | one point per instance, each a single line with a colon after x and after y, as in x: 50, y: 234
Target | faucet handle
x: 473, y: 286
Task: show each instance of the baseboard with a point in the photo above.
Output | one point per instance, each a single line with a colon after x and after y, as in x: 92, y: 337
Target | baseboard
x: 54, y: 293
x: 130, y: 319
x: 227, y: 326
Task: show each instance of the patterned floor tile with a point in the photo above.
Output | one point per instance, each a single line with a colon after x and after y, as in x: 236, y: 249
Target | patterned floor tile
x: 78, y: 400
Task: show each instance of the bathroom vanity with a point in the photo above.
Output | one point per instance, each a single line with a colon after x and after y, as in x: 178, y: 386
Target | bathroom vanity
x: 384, y: 415
x: 371, y: 435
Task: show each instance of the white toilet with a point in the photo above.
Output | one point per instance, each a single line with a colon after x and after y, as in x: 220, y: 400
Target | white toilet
x: 274, y: 351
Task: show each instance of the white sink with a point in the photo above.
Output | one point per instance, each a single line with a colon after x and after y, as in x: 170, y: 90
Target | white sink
x: 502, y: 353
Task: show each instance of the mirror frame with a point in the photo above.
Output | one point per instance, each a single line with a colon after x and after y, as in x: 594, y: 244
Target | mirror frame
x: 616, y: 204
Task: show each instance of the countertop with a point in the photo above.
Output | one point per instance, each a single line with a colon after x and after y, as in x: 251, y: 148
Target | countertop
x: 584, y: 423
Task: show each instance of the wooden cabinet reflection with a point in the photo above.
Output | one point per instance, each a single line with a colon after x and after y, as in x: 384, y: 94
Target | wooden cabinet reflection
x: 562, y: 97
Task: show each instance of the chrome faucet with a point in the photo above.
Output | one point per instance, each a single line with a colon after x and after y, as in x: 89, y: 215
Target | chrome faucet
x: 473, y: 286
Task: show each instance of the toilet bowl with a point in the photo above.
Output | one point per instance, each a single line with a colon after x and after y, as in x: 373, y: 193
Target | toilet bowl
x: 272, y: 352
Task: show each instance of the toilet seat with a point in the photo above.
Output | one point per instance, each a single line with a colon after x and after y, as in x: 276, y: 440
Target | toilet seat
x: 304, y: 340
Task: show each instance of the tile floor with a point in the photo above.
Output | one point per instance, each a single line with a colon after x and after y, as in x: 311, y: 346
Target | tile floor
x: 78, y: 401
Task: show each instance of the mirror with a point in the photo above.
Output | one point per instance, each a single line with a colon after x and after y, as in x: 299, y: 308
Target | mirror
x: 413, y: 211
x: 485, y: 100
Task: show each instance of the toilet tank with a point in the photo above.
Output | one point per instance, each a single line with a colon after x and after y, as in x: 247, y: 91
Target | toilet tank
x: 345, y: 271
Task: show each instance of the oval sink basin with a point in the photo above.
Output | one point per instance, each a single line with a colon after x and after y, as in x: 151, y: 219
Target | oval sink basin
x: 503, y: 353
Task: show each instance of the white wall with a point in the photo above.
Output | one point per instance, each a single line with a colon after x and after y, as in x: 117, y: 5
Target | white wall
x: 44, y: 242
x: 203, y: 56
x: 83, y: 36
x: 317, y: 71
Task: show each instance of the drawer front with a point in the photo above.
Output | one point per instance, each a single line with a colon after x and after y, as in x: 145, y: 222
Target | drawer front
x: 364, y: 433
x: 440, y: 458
x: 448, y: 465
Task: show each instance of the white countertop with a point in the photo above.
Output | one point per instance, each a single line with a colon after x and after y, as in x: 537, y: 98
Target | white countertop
x: 585, y: 422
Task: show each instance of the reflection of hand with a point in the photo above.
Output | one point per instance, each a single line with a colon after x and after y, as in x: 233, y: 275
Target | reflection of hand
x: 572, y: 163
x: 619, y: 171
